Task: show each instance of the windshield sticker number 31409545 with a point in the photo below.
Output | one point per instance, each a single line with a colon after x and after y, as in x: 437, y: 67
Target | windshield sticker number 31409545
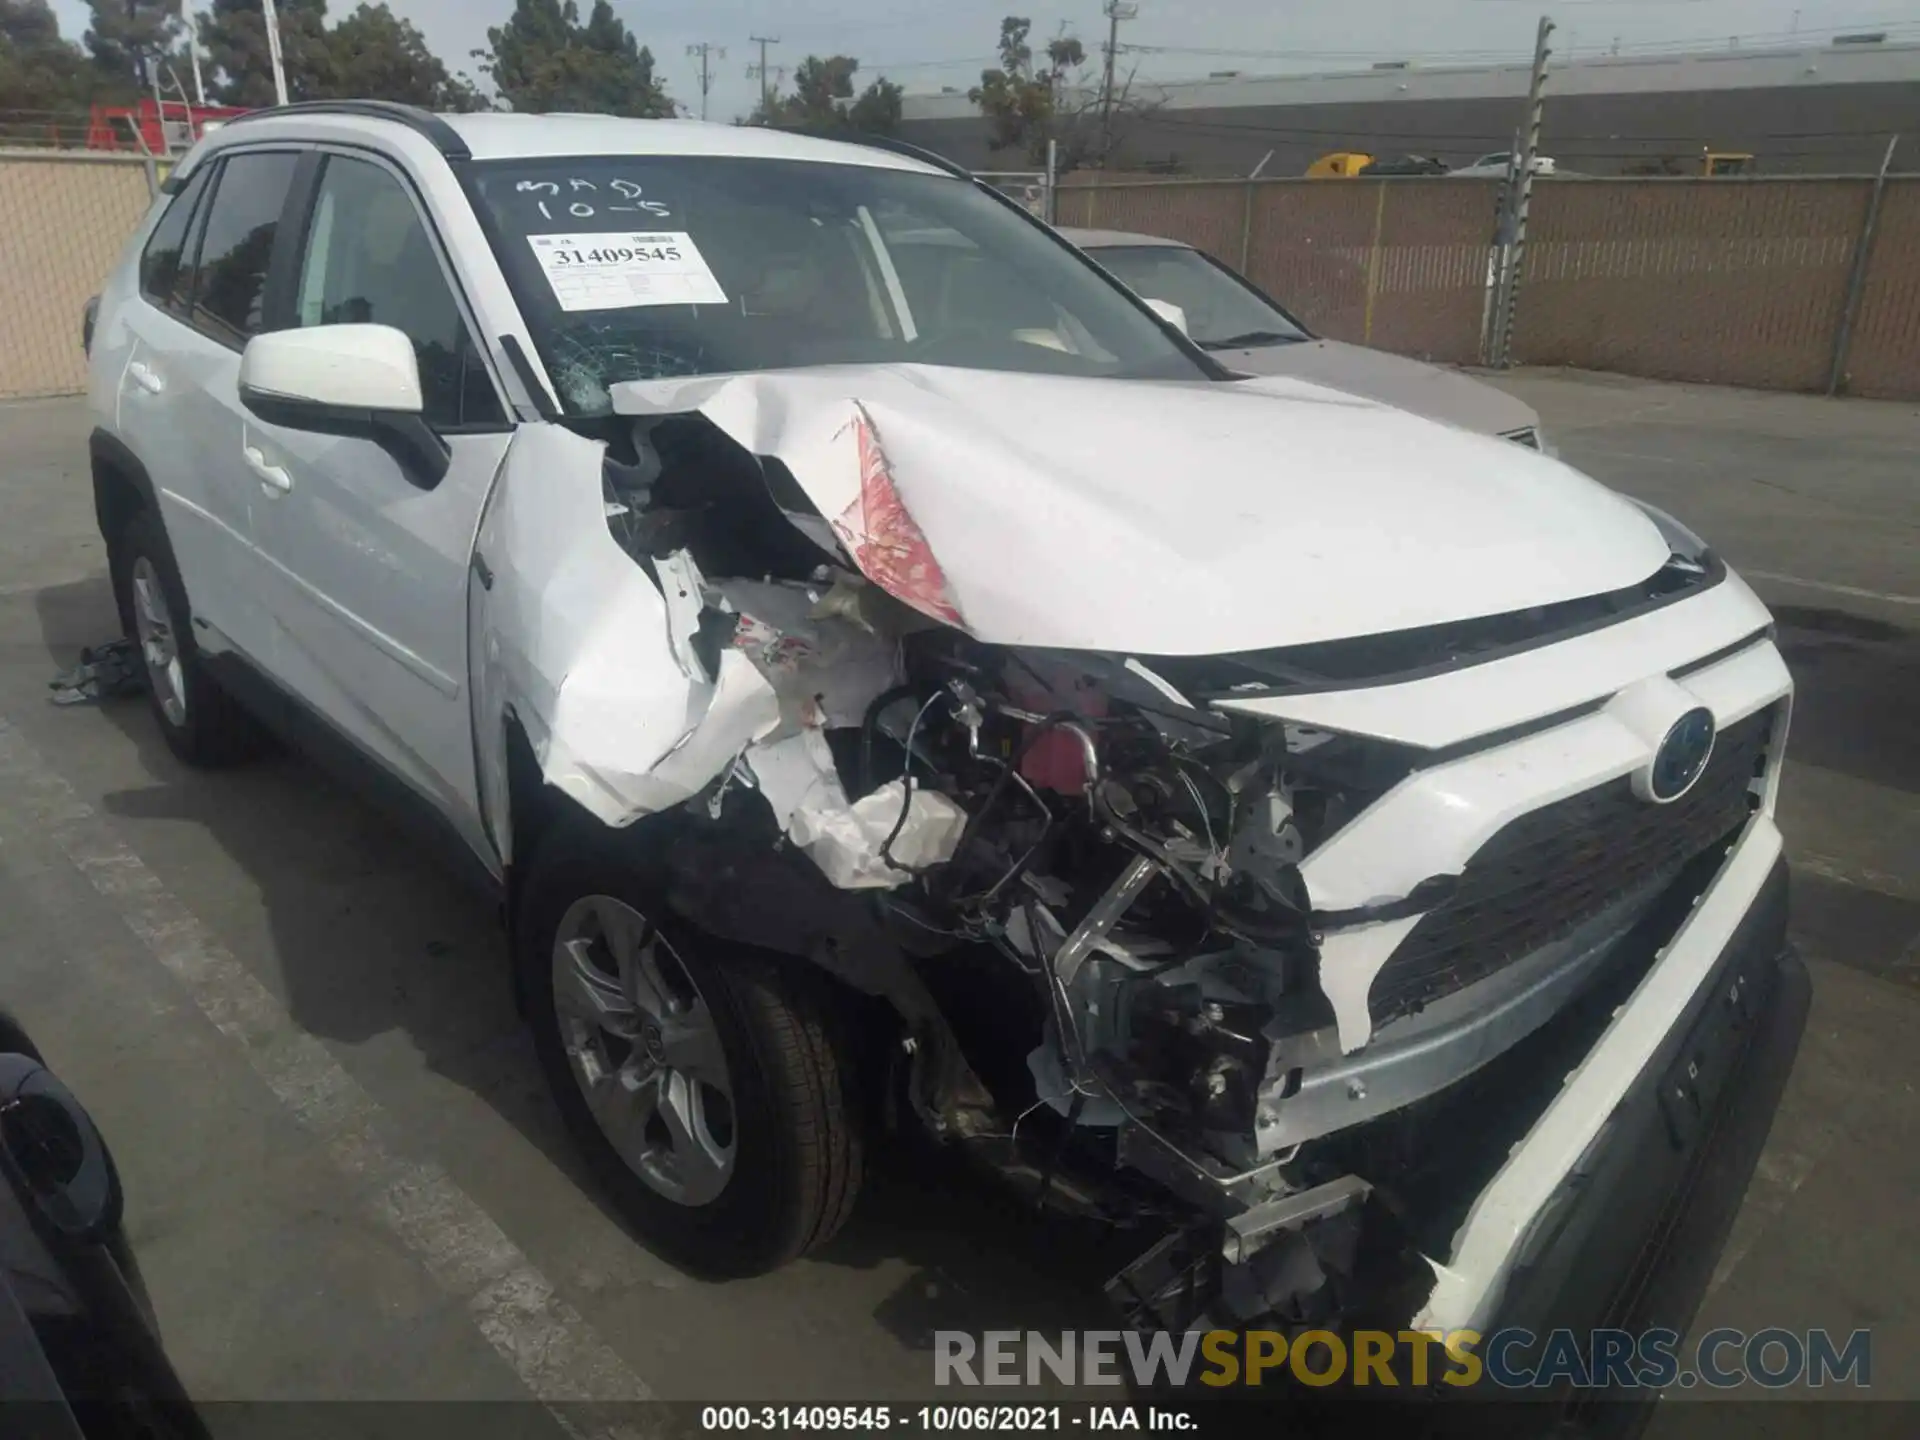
x: 610, y: 271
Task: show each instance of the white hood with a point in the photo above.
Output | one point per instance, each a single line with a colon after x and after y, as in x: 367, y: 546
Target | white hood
x: 1183, y: 519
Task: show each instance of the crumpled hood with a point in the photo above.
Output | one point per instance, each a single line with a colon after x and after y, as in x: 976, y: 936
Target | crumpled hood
x: 1174, y: 518
x: 1430, y: 390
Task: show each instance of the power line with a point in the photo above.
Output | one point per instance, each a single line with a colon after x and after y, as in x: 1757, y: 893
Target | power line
x: 1706, y: 43
x: 1561, y: 144
x: 926, y: 64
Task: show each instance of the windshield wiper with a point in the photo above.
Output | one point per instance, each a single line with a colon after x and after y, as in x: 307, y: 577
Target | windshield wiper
x: 1249, y: 339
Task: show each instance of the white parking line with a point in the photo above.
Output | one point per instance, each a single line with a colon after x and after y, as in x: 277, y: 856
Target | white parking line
x: 552, y: 1348
x: 1831, y: 588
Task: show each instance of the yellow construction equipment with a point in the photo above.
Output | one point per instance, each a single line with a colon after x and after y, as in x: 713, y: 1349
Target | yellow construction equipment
x: 1341, y: 164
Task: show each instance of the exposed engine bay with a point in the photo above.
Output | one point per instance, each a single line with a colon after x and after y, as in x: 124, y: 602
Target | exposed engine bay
x: 1095, y: 877
x: 1128, y: 852
x: 1075, y: 876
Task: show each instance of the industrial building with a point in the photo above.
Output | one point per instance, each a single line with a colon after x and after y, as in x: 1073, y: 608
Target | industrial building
x: 1825, y: 108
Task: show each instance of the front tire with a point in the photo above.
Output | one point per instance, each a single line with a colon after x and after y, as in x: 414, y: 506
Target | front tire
x: 704, y: 1083
x: 201, y: 723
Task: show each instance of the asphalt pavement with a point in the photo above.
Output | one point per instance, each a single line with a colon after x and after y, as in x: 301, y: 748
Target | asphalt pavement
x: 346, y: 1179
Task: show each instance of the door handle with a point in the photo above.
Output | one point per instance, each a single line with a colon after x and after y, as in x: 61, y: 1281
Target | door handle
x: 146, y: 377
x: 273, y: 478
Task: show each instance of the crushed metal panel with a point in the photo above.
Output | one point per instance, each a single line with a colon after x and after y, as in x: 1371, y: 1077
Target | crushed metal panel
x: 811, y: 642
x: 575, y: 641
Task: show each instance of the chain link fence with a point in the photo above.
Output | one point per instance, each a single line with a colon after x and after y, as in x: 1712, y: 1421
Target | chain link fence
x: 1730, y: 281
x: 64, y: 219
x: 1032, y: 190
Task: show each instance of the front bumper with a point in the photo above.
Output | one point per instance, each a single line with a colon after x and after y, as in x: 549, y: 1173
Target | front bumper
x: 1642, y: 1219
x: 1582, y: 1225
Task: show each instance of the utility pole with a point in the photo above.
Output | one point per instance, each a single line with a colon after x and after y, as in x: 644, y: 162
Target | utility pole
x: 193, y: 53
x: 768, y: 78
x: 1523, y: 193
x: 705, y: 49
x: 272, y: 17
x: 1115, y: 11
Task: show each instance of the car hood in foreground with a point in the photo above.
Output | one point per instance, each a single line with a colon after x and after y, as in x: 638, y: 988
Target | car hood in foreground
x: 1430, y: 390
x: 1167, y: 518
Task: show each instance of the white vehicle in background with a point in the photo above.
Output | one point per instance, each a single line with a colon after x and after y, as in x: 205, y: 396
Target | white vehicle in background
x: 1502, y: 163
x: 903, y: 685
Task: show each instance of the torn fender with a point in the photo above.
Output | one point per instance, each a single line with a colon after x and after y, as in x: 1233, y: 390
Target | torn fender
x: 576, y: 641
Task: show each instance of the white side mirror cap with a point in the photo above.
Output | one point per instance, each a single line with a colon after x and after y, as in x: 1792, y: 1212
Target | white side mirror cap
x: 344, y: 367
x: 1169, y: 312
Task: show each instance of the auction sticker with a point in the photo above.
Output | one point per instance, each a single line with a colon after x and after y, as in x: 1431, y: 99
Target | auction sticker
x: 614, y: 271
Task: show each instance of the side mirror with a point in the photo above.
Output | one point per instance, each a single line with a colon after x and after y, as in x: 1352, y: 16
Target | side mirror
x: 361, y: 381
x: 1169, y: 312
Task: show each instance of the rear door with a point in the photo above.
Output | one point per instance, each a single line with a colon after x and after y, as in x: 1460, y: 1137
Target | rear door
x: 368, y: 594
x: 180, y: 407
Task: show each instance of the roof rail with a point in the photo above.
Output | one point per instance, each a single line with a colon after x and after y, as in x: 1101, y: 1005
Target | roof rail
x: 879, y: 142
x: 422, y: 122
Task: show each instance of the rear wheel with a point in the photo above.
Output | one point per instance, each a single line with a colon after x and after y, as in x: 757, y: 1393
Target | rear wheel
x: 705, y: 1084
x: 201, y: 723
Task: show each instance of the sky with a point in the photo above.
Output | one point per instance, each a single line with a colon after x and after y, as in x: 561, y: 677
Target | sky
x: 924, y: 45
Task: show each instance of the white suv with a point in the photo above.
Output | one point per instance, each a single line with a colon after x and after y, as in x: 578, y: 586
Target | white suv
x: 892, y: 685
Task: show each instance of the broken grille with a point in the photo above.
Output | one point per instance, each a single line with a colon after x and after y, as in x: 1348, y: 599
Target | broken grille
x: 1549, y: 871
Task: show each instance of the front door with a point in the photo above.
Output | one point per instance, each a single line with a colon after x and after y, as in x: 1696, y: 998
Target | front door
x: 369, y: 564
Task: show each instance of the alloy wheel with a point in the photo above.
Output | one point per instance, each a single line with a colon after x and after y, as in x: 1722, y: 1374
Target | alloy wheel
x: 641, y: 1041
x: 159, y: 639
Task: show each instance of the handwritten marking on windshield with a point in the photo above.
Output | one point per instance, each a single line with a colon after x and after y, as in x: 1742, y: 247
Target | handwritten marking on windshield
x: 579, y: 209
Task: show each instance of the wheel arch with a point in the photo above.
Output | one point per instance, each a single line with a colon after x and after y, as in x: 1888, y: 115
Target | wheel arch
x: 732, y: 878
x: 121, y: 485
x: 122, y: 488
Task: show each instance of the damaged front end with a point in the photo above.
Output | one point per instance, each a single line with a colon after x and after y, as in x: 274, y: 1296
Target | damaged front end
x: 1077, y: 874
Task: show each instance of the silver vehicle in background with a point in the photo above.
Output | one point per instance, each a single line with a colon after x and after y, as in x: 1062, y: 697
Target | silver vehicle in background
x: 1245, y: 330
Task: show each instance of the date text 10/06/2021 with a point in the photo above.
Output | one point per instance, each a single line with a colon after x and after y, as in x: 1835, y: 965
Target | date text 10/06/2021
x: 941, y: 1419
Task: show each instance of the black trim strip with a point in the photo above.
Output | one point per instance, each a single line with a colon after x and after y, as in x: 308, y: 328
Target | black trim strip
x: 1460, y: 749
x: 1747, y: 642
x: 881, y: 142
x: 422, y: 122
x: 516, y: 354
x: 1716, y: 572
x: 279, y: 309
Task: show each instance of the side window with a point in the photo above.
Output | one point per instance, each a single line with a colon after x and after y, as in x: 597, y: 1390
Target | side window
x: 166, y: 265
x: 231, y: 289
x: 370, y: 261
